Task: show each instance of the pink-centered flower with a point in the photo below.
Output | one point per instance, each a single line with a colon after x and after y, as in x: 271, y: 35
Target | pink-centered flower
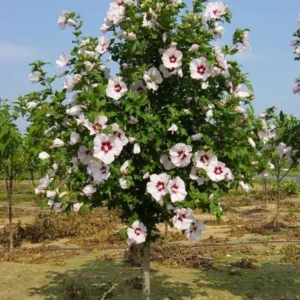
x: 180, y: 155
x: 107, y: 147
x: 194, y: 231
x: 137, y: 234
x: 202, y: 159
x: 172, y: 58
x: 177, y: 191
x: 138, y: 86
x: 196, y: 175
x: 157, y: 186
x: 119, y: 133
x: 116, y: 88
x: 215, y: 10
x: 217, y: 171
x: 103, y: 44
x: 99, y: 123
x: 199, y: 69
x: 99, y: 171
x: 85, y: 155
x: 183, y: 219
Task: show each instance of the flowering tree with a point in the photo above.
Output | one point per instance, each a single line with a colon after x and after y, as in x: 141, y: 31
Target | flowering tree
x: 171, y: 131
x: 296, y: 45
x: 280, y: 135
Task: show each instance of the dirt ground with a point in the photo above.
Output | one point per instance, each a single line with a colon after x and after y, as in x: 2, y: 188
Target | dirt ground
x: 266, y: 266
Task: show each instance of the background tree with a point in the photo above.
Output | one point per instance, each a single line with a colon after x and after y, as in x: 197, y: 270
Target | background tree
x: 172, y: 131
x: 12, y: 156
x: 296, y: 44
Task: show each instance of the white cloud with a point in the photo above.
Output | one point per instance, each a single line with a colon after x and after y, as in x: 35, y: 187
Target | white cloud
x: 247, y: 56
x: 14, y: 52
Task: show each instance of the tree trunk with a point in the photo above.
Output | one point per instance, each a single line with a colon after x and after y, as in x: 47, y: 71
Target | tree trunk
x: 146, y: 271
x: 266, y: 191
x: 166, y: 229
x: 10, y: 216
x: 278, y: 203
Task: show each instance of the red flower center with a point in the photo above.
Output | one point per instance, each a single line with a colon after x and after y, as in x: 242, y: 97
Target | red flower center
x: 181, y: 217
x: 174, y: 188
x: 215, y: 11
x: 118, y: 88
x: 96, y: 127
x: 103, y: 170
x: 106, y: 147
x: 173, y: 59
x: 117, y: 134
x: 87, y: 152
x: 160, y: 186
x: 218, y: 170
x: 204, y: 158
x: 138, y: 231
x: 139, y: 89
x: 181, y: 155
x: 201, y: 69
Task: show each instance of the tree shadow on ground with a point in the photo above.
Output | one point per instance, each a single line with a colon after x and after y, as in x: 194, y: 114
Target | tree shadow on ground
x: 96, y: 277
x: 269, y: 281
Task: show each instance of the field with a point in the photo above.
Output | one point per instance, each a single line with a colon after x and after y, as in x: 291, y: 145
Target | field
x: 86, y: 257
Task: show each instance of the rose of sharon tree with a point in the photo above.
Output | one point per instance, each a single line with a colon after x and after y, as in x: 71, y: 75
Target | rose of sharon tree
x: 170, y: 131
x: 296, y: 44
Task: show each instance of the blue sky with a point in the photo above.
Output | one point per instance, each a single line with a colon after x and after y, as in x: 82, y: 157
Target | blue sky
x: 29, y: 31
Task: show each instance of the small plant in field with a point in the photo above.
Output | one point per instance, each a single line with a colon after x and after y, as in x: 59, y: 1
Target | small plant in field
x: 292, y: 211
x: 77, y: 291
x: 290, y: 188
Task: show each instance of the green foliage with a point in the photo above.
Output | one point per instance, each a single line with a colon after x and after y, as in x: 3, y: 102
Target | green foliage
x: 290, y: 188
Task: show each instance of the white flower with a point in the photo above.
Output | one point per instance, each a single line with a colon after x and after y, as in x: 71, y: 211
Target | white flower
x: 282, y: 149
x: 57, y: 143
x: 121, y: 34
x: 209, y: 114
x: 183, y: 219
x: 175, y: 3
x: 51, y: 194
x: 202, y: 159
x: 89, y: 190
x: 85, y: 155
x: 197, y: 137
x: 74, y: 138
x: 69, y: 83
x: 63, y: 60
x: 168, y: 165
x: 164, y: 37
x: 265, y: 174
x: 218, y: 31
x: 146, y: 175
x: 239, y: 110
x: 103, y: 44
x: 245, y: 40
x: 43, y: 155
x: 77, y: 206
x: 215, y: 9
x: 196, y: 175
x: 138, y: 86
x: 169, y: 72
x: 64, y: 20
x: 221, y: 60
x: 194, y: 231
x: 152, y: 78
x: 116, y: 88
x: 131, y: 36
x: 229, y: 175
x: 137, y: 234
x: 124, y: 167
x: 217, y: 171
x: 176, y: 188
x: 31, y: 105
x: 251, y: 142
x: 123, y: 183
x: 89, y: 66
x: 136, y: 148
x: 180, y: 155
x: 149, y: 18
x: 133, y: 120
x: 244, y: 186
x: 296, y: 88
x: 99, y: 123
x: 173, y: 128
x: 34, y: 77
x: 119, y: 133
x: 199, y: 68
x: 107, y: 147
x: 75, y: 110
x: 115, y: 15
x: 99, y: 171
x: 194, y: 48
x: 172, y: 58
x: 157, y: 186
